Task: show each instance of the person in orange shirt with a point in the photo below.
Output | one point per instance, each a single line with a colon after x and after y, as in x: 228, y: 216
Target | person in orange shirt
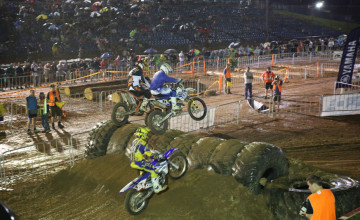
x: 268, y: 78
x: 320, y: 205
x: 227, y: 78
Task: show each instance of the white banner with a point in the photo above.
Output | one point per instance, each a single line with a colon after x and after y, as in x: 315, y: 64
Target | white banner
x: 345, y: 104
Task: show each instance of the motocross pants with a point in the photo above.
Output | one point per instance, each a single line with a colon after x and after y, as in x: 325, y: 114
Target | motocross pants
x: 145, y: 166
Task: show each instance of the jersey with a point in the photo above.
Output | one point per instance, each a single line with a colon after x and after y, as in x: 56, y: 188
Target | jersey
x: 139, y: 148
x: 160, y: 78
x: 135, y: 79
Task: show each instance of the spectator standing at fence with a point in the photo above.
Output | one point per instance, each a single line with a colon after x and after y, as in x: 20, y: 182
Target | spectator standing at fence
x: 268, y: 78
x: 181, y: 58
x: 2, y: 114
x: 44, y: 110
x: 2, y: 79
x: 60, y: 73
x: 248, y: 77
x: 83, y: 69
x: 320, y: 205
x: 31, y: 111
x: 10, y: 76
x: 47, y: 71
x: 19, y: 72
x: 35, y: 74
x: 53, y: 97
x: 27, y: 71
x: 277, y: 88
x: 227, y: 75
x: 103, y: 66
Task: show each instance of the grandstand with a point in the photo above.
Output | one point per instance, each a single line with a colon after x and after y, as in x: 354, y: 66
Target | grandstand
x: 107, y: 26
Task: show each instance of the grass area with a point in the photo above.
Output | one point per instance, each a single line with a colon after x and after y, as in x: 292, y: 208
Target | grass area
x: 336, y: 25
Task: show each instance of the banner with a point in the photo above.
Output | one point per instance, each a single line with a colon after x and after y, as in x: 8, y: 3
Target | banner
x: 346, y: 104
x: 348, y: 59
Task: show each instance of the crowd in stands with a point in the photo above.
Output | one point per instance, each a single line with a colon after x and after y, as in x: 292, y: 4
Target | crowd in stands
x: 35, y: 27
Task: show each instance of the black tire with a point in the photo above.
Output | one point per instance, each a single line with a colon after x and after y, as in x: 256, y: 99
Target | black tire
x: 179, y: 159
x: 129, y: 200
x: 259, y: 160
x: 147, y: 116
x: 152, y: 119
x: 194, y: 115
x: 99, y: 138
x: 120, y: 108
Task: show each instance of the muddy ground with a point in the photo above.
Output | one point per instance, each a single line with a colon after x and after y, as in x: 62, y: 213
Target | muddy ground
x: 89, y: 189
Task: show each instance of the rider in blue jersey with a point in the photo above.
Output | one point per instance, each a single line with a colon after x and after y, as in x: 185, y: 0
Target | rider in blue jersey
x: 158, y: 81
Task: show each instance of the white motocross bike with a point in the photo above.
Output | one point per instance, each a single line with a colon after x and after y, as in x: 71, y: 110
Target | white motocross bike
x: 141, y: 188
x: 157, y: 118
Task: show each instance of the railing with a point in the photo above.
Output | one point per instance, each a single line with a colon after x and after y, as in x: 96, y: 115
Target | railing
x: 348, y: 88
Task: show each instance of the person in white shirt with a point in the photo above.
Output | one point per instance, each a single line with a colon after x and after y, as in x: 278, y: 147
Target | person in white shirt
x: 248, y: 77
x: 181, y: 58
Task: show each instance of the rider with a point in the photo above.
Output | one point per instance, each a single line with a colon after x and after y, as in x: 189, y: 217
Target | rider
x: 140, y: 155
x: 136, y: 80
x: 158, y: 81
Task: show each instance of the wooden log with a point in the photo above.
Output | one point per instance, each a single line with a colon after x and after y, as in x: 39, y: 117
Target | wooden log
x: 71, y: 90
x: 92, y: 93
x: 116, y: 97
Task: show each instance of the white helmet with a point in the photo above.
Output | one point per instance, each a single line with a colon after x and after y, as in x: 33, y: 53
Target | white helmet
x: 166, y: 68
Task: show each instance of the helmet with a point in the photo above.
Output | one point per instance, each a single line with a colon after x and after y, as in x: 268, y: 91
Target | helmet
x: 277, y: 77
x: 142, y: 133
x: 166, y: 68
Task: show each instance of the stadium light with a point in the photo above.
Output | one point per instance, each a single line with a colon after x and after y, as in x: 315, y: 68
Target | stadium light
x: 319, y: 4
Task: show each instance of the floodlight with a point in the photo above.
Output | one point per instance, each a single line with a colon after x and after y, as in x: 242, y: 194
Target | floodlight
x: 319, y: 4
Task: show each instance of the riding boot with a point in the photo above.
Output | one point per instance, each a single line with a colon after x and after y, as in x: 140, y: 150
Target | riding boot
x: 174, y: 104
x: 229, y: 91
x: 156, y: 184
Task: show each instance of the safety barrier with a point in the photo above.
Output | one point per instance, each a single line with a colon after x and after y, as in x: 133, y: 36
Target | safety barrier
x: 41, y: 158
x: 348, y: 88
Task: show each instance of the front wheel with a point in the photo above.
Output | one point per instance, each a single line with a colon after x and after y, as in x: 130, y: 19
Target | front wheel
x: 177, y: 159
x: 153, y: 122
x: 120, y: 114
x: 197, y: 109
x: 132, y: 204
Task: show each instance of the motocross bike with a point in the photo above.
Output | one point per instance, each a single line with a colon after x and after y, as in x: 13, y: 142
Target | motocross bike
x: 157, y: 118
x: 141, y: 188
x: 129, y: 105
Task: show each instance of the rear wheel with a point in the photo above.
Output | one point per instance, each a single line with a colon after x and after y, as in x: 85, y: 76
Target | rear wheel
x: 179, y: 160
x: 153, y: 122
x: 197, y: 109
x: 120, y: 114
x: 132, y: 204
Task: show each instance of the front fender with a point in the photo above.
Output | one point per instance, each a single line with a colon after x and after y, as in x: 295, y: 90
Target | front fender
x: 168, y: 153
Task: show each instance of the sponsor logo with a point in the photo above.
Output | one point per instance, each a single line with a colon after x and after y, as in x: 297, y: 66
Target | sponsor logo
x: 345, y: 79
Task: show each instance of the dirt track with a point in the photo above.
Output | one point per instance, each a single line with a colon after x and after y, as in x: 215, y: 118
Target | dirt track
x: 90, y: 189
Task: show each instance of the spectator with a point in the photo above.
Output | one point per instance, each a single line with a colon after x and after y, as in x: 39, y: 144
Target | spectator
x: 53, y: 70
x: 248, y: 77
x: 83, y: 69
x: 60, y: 73
x: 53, y: 97
x: 27, y: 71
x: 268, y: 77
x: 181, y: 58
x: 321, y: 203
x: 103, y: 66
x: 19, y: 72
x: 47, y: 70
x: 227, y: 75
x: 162, y: 59
x: 2, y: 79
x: 44, y: 110
x: 31, y: 111
x: 35, y: 73
x: 277, y: 87
x: 10, y: 76
x: 2, y: 114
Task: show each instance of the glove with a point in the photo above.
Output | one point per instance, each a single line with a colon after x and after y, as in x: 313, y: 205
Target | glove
x: 180, y: 81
